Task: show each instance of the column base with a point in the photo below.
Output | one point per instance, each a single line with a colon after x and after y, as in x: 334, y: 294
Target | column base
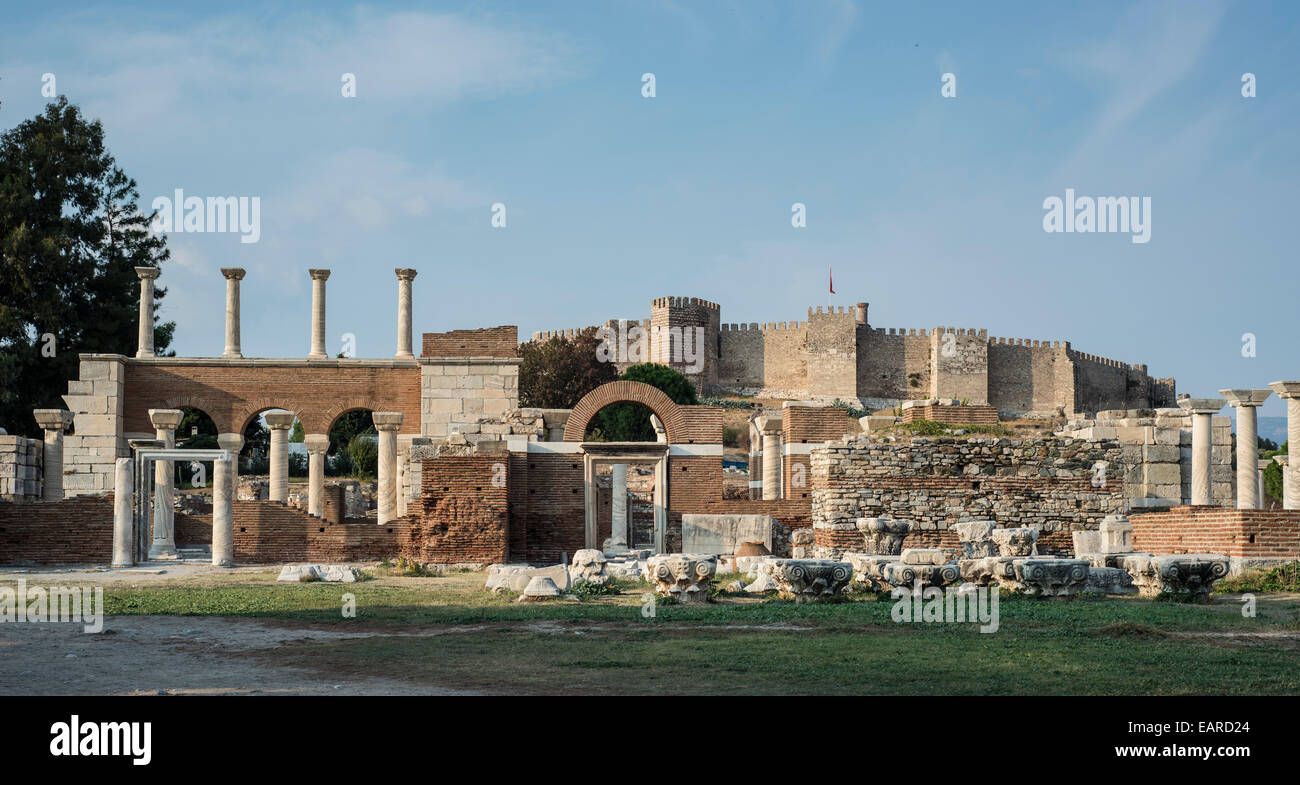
x: 163, y: 550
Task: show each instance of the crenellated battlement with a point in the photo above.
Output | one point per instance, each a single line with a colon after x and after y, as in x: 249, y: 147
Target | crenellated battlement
x: 836, y: 353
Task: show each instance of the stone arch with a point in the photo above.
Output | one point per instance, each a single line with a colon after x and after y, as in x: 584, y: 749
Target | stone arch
x: 220, y: 414
x: 254, y: 408
x: 654, y: 399
x: 331, y: 415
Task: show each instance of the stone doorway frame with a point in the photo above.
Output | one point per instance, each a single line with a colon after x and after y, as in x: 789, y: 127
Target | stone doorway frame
x: 596, y: 454
x: 147, y: 452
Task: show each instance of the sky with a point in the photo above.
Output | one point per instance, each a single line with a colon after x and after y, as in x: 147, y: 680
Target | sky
x: 930, y: 208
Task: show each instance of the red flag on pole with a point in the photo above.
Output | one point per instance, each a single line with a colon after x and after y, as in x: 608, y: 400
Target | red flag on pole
x: 832, y: 276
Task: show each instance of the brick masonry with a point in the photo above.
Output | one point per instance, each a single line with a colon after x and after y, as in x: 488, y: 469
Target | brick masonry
x: 1264, y: 535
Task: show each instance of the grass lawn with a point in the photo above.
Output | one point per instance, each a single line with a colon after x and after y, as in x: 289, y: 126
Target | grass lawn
x: 447, y: 631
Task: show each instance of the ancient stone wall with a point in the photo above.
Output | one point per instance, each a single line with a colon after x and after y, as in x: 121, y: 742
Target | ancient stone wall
x: 771, y: 357
x: 1030, y: 377
x: 463, y: 513
x: 959, y: 364
x: 832, y: 354
x: 20, y: 468
x: 938, y: 482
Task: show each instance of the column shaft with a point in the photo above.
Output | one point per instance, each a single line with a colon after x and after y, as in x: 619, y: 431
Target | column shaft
x: 164, y: 510
x: 388, y: 424
x: 223, y: 520
x: 618, y: 506
x: 404, y: 278
x: 147, y: 276
x: 318, y: 278
x: 1291, y: 477
x: 233, y: 276
x: 279, y: 423
x: 1247, y: 459
x: 771, y: 464
x: 1201, y: 459
x: 123, y: 523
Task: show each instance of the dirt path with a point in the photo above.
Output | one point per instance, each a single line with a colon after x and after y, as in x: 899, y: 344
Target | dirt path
x: 171, y: 655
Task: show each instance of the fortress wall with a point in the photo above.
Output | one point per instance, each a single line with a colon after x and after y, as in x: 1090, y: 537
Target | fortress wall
x: 770, y: 356
x: 959, y: 360
x: 1028, y: 376
x: 893, y: 362
x: 832, y: 354
x: 1101, y: 384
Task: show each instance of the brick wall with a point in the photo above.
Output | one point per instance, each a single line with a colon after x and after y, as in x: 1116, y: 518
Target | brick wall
x: 464, y: 518
x: 268, y: 532
x: 1249, y: 534
x: 486, y: 342
x: 953, y: 415
x: 78, y: 530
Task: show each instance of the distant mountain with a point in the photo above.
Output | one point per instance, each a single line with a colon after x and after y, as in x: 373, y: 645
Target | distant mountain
x: 1273, y: 428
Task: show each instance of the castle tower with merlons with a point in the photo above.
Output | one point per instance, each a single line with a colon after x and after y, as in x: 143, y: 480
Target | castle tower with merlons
x: 837, y: 354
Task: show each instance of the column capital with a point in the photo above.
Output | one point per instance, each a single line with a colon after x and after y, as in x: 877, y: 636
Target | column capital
x: 276, y: 420
x: 1263, y: 463
x: 769, y: 425
x: 166, y: 419
x: 1245, y: 397
x: 1286, y: 389
x: 319, y: 274
x: 1201, y: 405
x: 231, y: 441
x: 147, y: 273
x: 234, y: 273
x: 317, y: 443
x: 405, y: 273
x: 1281, y: 460
x: 59, y: 420
x: 387, y: 421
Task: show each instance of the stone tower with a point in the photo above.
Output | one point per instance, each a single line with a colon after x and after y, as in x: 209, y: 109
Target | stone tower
x: 684, y: 336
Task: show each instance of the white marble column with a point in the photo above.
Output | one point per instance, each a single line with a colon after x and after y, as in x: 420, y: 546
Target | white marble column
x: 279, y: 422
x: 318, y: 279
x: 147, y: 276
x: 1290, y: 391
x: 1263, y: 493
x: 770, y: 427
x: 163, y: 546
x: 123, y: 514
x: 618, y: 534
x: 317, y: 445
x: 405, y: 276
x: 54, y: 422
x: 235, y: 443
x: 223, y: 519
x: 233, y: 276
x: 1288, y: 499
x: 387, y: 423
x: 1202, y: 411
x: 1246, y: 402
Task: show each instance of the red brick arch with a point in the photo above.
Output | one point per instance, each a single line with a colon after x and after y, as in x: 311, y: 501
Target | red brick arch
x: 654, y: 399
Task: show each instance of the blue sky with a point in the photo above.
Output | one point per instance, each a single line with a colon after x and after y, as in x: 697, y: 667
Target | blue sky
x: 928, y: 208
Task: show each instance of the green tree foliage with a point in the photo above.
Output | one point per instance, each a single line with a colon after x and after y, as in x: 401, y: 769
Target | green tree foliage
x: 71, y: 234
x: 348, y: 426
x: 1273, y: 474
x: 630, y: 422
x: 557, y: 372
x: 364, y: 453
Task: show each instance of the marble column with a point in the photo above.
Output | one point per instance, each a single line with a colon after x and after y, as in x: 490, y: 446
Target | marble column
x: 1288, y: 499
x: 123, y: 514
x: 235, y: 443
x: 147, y: 277
x: 387, y: 423
x: 233, y: 276
x: 317, y: 445
x: 318, y: 279
x: 279, y: 422
x: 223, y: 519
x: 770, y: 427
x: 1246, y: 402
x: 1202, y: 411
x: 1290, y: 391
x: 618, y: 506
x: 54, y: 422
x: 165, y: 422
x: 1263, y: 493
x: 405, y: 276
